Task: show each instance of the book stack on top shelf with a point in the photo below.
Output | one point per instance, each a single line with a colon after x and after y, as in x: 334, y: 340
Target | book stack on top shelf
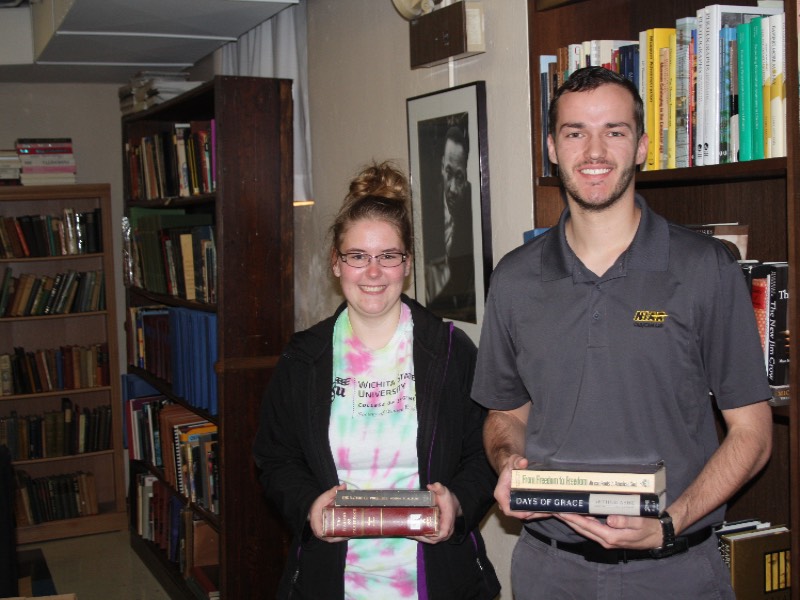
x: 592, y: 489
x: 149, y: 88
x: 381, y: 513
x: 46, y: 161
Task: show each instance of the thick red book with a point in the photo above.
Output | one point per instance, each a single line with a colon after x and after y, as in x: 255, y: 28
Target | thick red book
x: 376, y: 521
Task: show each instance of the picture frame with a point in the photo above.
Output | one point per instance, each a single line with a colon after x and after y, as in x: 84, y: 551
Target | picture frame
x: 451, y: 207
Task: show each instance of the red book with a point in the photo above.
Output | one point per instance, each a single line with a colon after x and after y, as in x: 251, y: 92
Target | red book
x: 375, y: 521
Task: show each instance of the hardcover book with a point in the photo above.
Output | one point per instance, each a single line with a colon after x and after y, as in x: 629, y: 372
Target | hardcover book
x: 375, y: 521
x: 759, y: 562
x: 589, y: 503
x: 384, y: 498
x: 633, y: 478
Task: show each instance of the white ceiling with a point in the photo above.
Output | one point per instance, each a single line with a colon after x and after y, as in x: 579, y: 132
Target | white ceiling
x: 107, y: 41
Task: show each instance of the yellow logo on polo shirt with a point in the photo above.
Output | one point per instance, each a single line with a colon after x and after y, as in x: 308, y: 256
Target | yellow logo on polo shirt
x: 649, y: 318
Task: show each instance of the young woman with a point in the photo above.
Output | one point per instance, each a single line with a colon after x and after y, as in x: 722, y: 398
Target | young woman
x: 377, y: 397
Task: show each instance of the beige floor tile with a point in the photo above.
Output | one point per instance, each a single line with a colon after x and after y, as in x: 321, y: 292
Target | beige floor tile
x: 100, y: 567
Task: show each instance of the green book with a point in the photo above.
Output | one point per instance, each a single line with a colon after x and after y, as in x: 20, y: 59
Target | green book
x: 745, y: 67
x: 757, y: 122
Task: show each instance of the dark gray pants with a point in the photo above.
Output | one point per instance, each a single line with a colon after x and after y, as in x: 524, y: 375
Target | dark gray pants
x: 542, y: 572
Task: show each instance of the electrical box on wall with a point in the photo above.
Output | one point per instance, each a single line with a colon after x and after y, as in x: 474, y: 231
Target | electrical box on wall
x: 455, y: 31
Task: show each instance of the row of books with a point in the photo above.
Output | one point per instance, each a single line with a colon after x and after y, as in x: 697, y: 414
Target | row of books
x: 69, y: 233
x: 381, y: 513
x: 172, y: 253
x: 769, y: 291
x: 713, y: 85
x: 758, y: 556
x: 46, y: 161
x: 150, y: 88
x: 54, y: 497
x: 63, y: 293
x: 177, y: 162
x: 70, y: 367
x: 173, y: 439
x: 594, y: 489
x: 179, y: 346
x: 190, y: 451
x: 191, y: 544
x: 188, y: 456
x: 66, y: 432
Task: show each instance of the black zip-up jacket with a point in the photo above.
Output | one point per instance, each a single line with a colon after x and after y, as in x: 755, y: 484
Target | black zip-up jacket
x: 293, y: 452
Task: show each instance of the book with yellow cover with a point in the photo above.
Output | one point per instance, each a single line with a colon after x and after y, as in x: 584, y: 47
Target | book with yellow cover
x: 759, y: 561
x: 657, y: 38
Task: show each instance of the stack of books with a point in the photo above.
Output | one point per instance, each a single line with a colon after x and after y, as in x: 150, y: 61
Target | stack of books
x: 46, y: 161
x: 757, y: 554
x: 592, y: 489
x: 149, y: 88
x: 381, y: 513
x: 10, y: 167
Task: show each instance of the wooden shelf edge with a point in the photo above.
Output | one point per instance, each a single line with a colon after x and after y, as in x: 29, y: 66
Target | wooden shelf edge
x: 101, y: 388
x: 53, y: 530
x: 166, y: 389
x: 754, y: 170
x: 172, y: 300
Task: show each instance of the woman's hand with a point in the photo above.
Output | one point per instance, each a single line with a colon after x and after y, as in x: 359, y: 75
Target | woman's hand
x: 449, y: 509
x: 315, y: 513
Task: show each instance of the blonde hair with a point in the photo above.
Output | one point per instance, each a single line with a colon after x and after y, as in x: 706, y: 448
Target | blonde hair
x: 379, y: 192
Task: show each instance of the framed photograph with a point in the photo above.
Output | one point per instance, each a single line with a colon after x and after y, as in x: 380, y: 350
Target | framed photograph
x: 449, y: 163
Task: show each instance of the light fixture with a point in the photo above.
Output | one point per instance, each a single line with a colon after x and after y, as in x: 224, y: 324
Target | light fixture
x: 411, y: 9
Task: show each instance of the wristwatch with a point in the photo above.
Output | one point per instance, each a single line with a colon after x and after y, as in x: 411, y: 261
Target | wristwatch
x: 671, y: 544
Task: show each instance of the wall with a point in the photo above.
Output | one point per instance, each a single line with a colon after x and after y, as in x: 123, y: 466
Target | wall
x: 359, y: 80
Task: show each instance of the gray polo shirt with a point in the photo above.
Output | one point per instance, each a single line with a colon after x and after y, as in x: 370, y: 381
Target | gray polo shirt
x: 619, y: 368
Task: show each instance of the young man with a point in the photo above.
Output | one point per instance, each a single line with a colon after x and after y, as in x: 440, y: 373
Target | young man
x: 573, y: 369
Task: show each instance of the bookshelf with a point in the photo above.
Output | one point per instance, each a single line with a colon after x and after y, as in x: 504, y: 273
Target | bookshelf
x: 762, y: 193
x: 56, y: 331
x: 250, y: 207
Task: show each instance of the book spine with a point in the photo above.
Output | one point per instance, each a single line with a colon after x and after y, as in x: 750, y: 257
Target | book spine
x: 778, y: 336
x: 397, y: 521
x: 777, y: 63
x: 586, y: 481
x: 588, y: 503
x: 757, y: 102
x: 683, y: 79
x: 699, y: 104
x: 384, y: 498
x: 744, y: 69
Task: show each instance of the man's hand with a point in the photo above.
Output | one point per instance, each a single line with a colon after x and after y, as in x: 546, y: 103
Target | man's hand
x: 618, y: 531
x: 502, y: 491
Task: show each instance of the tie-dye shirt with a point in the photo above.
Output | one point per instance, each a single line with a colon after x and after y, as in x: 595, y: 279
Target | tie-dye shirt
x: 373, y: 433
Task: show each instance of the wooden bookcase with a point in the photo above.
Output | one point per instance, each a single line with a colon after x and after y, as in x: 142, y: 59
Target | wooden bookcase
x: 71, y: 329
x: 253, y: 222
x: 764, y: 194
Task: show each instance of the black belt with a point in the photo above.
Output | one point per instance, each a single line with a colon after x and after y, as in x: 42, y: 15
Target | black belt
x: 594, y: 552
